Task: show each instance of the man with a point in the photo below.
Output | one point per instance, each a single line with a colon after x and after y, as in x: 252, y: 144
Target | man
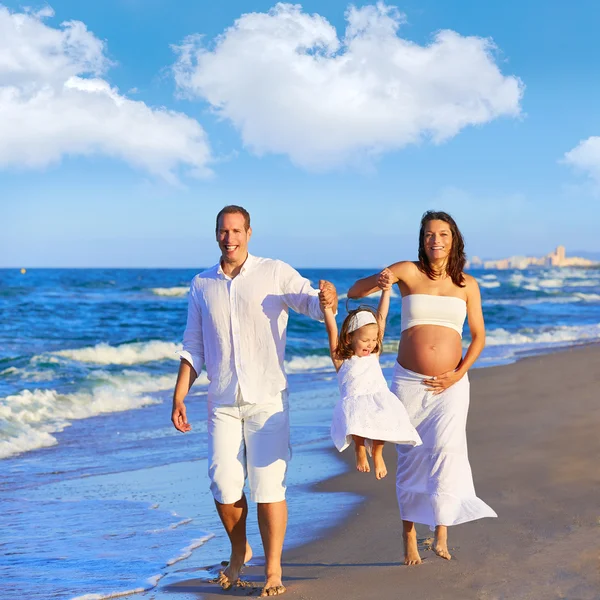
x: 237, y: 320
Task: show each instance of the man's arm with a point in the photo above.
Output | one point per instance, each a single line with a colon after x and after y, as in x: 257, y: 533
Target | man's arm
x: 185, y: 380
x: 300, y: 296
x: 192, y: 360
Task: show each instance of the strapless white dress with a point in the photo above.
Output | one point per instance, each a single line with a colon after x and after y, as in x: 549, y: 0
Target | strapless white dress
x: 368, y: 408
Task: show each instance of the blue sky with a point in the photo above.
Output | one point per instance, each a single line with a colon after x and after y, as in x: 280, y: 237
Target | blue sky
x: 117, y: 151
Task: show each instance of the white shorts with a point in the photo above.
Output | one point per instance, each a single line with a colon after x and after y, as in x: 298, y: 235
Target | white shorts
x: 249, y: 440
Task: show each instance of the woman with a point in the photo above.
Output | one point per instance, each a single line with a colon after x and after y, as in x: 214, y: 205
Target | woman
x: 433, y: 481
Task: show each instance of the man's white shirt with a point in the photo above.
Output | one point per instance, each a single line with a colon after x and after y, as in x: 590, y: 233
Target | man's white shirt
x: 237, y: 327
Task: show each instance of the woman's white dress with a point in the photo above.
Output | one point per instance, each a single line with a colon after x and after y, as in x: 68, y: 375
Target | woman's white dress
x: 434, y: 483
x: 367, y: 408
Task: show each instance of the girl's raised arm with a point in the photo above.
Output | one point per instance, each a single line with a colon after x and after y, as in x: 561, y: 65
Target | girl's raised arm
x: 385, y: 280
x: 332, y: 334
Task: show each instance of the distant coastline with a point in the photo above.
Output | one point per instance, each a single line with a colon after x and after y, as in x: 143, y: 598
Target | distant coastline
x: 557, y: 258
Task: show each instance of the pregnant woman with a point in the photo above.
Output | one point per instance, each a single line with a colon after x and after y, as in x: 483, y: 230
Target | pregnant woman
x: 434, y: 483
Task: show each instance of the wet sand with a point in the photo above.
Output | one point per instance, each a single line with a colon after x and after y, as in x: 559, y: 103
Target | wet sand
x: 534, y: 447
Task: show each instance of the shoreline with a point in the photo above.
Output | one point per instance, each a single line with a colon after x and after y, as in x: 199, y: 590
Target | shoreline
x: 536, y: 467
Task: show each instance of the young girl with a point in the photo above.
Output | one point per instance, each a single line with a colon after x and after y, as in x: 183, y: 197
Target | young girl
x: 367, y: 411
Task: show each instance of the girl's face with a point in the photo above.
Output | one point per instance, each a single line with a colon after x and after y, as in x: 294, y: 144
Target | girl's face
x: 364, y: 340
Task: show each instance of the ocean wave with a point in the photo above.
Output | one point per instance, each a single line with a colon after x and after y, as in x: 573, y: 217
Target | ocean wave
x: 310, y: 363
x: 29, y: 419
x: 125, y: 354
x: 177, y: 292
x: 489, y: 284
x: 562, y: 334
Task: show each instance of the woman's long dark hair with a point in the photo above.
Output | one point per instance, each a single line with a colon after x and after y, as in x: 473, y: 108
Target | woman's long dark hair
x: 457, y: 258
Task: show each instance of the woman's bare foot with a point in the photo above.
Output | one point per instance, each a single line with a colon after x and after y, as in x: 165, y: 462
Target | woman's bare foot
x: 411, y: 549
x: 273, y: 586
x: 362, y: 463
x: 230, y: 575
x: 440, y: 542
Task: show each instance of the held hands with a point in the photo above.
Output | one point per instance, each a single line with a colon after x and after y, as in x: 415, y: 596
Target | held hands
x: 442, y: 382
x: 179, y: 418
x: 327, y: 294
x: 386, y: 279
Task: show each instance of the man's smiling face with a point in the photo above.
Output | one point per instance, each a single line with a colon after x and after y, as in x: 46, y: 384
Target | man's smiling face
x: 233, y: 237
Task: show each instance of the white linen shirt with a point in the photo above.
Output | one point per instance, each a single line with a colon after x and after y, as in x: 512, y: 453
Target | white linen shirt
x: 237, y: 327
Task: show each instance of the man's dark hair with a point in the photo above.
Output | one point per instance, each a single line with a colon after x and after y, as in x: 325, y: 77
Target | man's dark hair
x: 232, y: 209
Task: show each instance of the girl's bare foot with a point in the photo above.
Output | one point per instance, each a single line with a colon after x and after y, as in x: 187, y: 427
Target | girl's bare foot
x: 362, y: 463
x: 411, y: 549
x: 379, y: 465
x: 440, y: 542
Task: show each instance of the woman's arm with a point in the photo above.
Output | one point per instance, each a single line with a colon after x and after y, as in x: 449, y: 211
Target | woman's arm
x: 368, y: 285
x: 476, y: 325
x: 364, y: 287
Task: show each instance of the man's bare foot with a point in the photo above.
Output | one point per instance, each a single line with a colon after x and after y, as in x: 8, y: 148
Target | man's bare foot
x: 379, y: 465
x: 440, y: 542
x: 411, y: 550
x: 273, y: 586
x: 247, y: 558
x: 230, y: 575
x: 362, y: 463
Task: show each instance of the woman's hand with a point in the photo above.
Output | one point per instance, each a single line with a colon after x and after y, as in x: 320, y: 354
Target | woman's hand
x: 386, y: 279
x: 442, y: 382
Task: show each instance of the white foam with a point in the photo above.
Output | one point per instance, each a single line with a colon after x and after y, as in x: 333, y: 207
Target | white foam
x: 587, y: 297
x: 187, y: 552
x: 551, y: 283
x: 311, y: 363
x: 556, y: 335
x: 28, y: 419
x: 489, y: 284
x: 177, y: 292
x: 125, y: 354
x: 489, y: 277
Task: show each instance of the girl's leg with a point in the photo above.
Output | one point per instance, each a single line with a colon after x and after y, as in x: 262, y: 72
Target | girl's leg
x: 411, y: 550
x: 440, y: 542
x: 362, y: 464
x: 378, y: 462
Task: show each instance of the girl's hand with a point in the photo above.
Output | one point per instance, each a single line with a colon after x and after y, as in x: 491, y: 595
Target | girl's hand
x: 441, y: 382
x: 385, y: 280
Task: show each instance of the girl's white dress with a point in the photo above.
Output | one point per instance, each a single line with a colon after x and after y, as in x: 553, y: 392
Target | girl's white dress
x: 368, y: 408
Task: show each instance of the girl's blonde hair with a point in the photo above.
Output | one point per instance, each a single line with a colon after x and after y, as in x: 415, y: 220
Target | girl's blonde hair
x: 343, y: 349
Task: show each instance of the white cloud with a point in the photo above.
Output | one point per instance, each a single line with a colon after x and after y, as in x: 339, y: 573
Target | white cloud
x: 586, y: 157
x: 53, y: 102
x: 291, y: 86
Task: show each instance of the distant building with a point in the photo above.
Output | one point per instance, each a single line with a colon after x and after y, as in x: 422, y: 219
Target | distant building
x: 557, y: 258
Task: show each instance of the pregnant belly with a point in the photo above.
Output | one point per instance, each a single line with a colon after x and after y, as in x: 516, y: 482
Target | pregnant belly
x: 430, y: 349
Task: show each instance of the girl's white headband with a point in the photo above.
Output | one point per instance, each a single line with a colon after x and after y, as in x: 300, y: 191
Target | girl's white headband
x: 360, y: 319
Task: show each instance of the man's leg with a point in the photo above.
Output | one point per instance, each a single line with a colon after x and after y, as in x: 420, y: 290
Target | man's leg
x: 272, y: 522
x: 267, y: 436
x: 227, y: 472
x: 233, y: 517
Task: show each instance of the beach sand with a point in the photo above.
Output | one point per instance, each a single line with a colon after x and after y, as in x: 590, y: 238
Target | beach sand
x: 534, y: 446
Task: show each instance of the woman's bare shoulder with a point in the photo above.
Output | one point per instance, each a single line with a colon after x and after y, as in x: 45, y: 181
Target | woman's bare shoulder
x: 404, y: 268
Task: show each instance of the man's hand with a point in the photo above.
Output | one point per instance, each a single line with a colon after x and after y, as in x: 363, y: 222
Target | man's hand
x: 179, y: 418
x: 386, y: 279
x: 327, y: 294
